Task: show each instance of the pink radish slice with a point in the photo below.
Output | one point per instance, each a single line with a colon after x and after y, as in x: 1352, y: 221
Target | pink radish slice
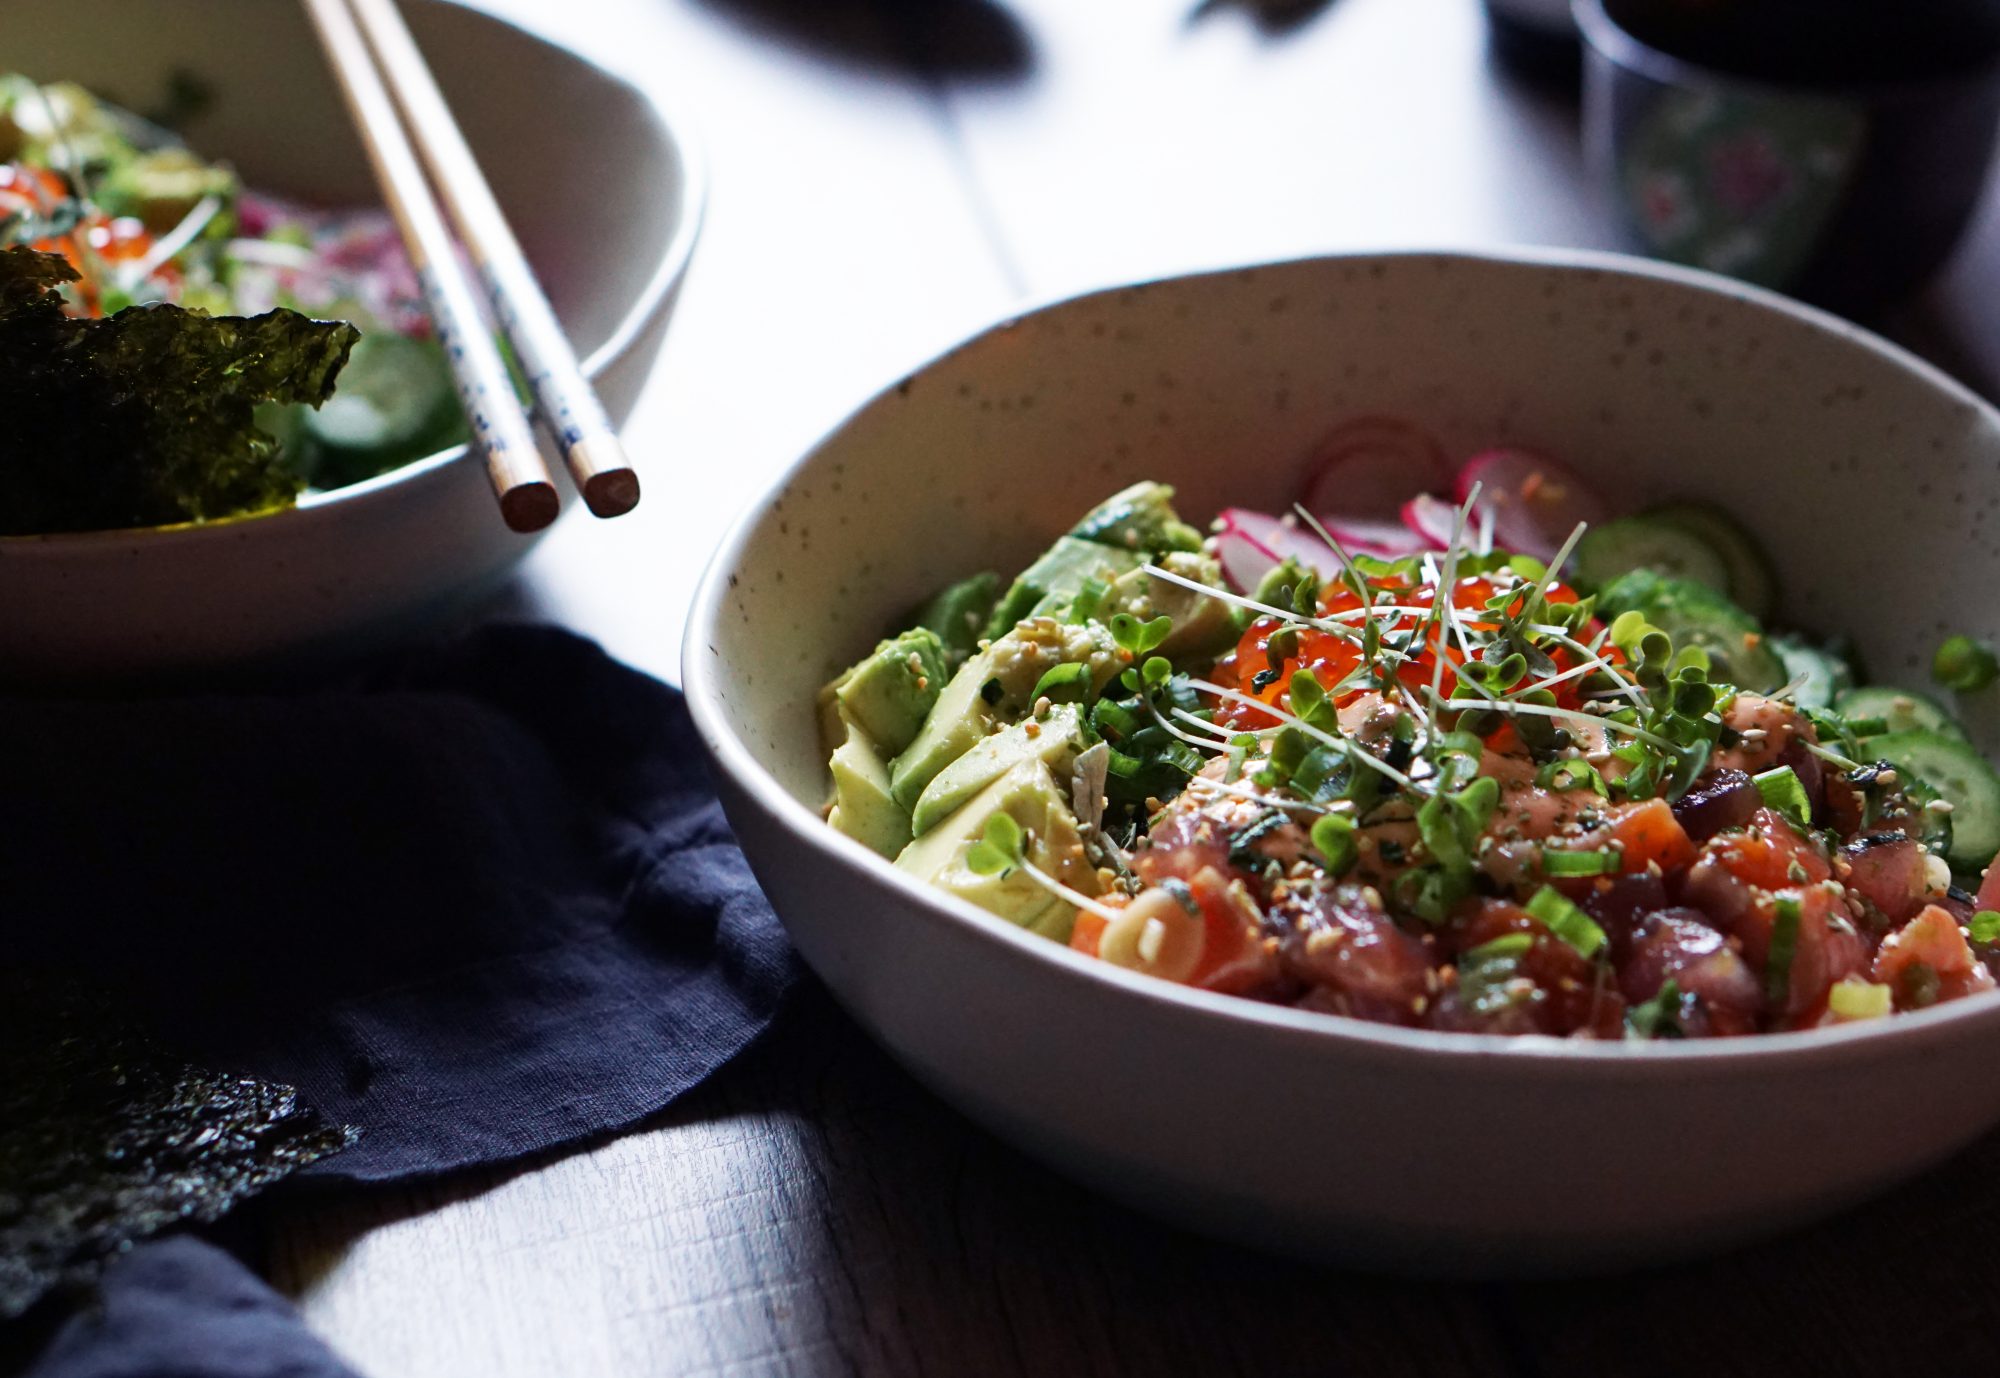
x: 1534, y: 501
x: 1390, y: 540
x: 1244, y: 562
x: 1251, y: 544
x: 1365, y: 468
x: 1430, y: 518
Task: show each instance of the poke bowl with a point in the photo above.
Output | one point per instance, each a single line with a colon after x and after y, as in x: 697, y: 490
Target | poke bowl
x: 1730, y: 1054
x: 204, y: 163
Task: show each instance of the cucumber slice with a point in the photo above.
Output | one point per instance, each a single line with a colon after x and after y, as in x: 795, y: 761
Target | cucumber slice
x: 394, y: 402
x: 1630, y: 543
x: 1821, y: 675
x: 1753, y: 584
x: 1696, y: 615
x: 1961, y: 777
x: 1902, y: 709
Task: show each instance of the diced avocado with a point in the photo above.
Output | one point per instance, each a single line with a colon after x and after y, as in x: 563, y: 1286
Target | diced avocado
x: 959, y: 720
x: 1054, y: 740
x: 1203, y: 626
x: 1018, y: 660
x: 893, y: 690
x: 1027, y: 792
x: 1695, y: 615
x: 996, y: 687
x: 958, y: 613
x: 1052, y: 582
x: 863, y: 808
x: 1141, y: 519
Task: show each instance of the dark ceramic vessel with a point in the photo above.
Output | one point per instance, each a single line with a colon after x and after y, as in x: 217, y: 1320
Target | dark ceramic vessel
x: 1834, y: 152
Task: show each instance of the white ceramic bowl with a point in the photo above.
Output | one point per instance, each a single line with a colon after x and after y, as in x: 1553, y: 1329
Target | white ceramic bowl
x: 1874, y: 481
x: 605, y: 194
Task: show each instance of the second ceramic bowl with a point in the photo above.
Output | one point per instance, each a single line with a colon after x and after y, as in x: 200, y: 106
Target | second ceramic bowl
x: 608, y: 223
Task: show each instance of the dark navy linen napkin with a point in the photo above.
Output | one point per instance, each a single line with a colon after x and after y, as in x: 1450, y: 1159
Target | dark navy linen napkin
x: 183, y: 1308
x: 479, y: 903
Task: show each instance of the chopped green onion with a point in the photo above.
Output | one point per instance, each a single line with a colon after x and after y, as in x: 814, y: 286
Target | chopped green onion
x: 1854, y: 999
x: 1659, y: 1016
x: 1784, y: 792
x: 1985, y: 926
x: 1063, y: 683
x: 1599, y: 862
x: 1784, y: 946
x: 1333, y: 835
x: 1964, y: 664
x: 1506, y: 945
x: 1566, y: 921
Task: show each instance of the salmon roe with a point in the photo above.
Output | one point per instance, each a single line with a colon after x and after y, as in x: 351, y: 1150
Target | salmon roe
x: 1332, y: 657
x: 97, y: 238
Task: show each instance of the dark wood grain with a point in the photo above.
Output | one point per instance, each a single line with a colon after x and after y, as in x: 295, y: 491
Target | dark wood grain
x: 1908, y: 1283
x: 814, y: 1211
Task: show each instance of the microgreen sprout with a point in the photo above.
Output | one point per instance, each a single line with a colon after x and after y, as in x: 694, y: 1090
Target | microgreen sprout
x: 1002, y: 850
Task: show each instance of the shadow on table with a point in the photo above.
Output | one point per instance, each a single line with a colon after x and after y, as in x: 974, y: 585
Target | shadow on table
x: 924, y: 1240
x: 1274, y: 18
x: 977, y: 40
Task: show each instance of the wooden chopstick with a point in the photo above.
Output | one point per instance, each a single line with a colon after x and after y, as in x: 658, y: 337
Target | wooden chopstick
x: 568, y: 405
x: 500, y: 430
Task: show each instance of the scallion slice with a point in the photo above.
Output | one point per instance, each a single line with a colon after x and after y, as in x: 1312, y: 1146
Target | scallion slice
x: 1566, y: 921
x: 1784, y: 792
x: 1598, y: 862
x: 1506, y: 945
x: 1784, y: 945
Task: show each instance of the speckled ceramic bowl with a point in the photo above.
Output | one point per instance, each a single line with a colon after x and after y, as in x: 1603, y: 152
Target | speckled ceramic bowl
x: 609, y: 233
x: 1875, y: 483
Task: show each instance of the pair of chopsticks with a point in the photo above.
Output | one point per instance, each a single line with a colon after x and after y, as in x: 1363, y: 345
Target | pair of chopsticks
x: 564, y: 400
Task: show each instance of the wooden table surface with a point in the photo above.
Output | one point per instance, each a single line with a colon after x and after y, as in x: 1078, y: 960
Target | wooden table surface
x: 890, y: 175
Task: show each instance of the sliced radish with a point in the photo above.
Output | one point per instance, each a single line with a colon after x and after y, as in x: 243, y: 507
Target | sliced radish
x: 1391, y: 540
x: 1244, y: 562
x: 1430, y: 519
x: 1534, y: 502
x: 1251, y: 544
x: 1365, y: 468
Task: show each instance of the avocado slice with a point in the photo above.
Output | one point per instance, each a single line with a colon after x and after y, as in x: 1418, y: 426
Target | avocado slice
x: 863, y: 807
x: 958, y: 613
x: 1055, y: 740
x: 1140, y: 518
x: 1019, y: 659
x: 1029, y: 793
x: 891, y: 692
x: 997, y: 687
x: 959, y: 720
x: 1203, y: 626
x: 1051, y: 583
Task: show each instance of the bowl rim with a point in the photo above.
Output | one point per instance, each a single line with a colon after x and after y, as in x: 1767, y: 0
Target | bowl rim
x: 677, y: 129
x: 1530, y: 1053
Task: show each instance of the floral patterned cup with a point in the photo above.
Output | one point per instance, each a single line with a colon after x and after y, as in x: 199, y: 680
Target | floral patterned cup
x: 1835, y: 167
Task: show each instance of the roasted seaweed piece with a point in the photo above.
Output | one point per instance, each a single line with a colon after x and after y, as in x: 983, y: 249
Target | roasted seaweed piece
x: 105, y: 1138
x: 144, y: 418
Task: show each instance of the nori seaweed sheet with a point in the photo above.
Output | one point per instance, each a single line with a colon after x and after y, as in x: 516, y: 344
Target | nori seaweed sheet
x: 107, y: 1138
